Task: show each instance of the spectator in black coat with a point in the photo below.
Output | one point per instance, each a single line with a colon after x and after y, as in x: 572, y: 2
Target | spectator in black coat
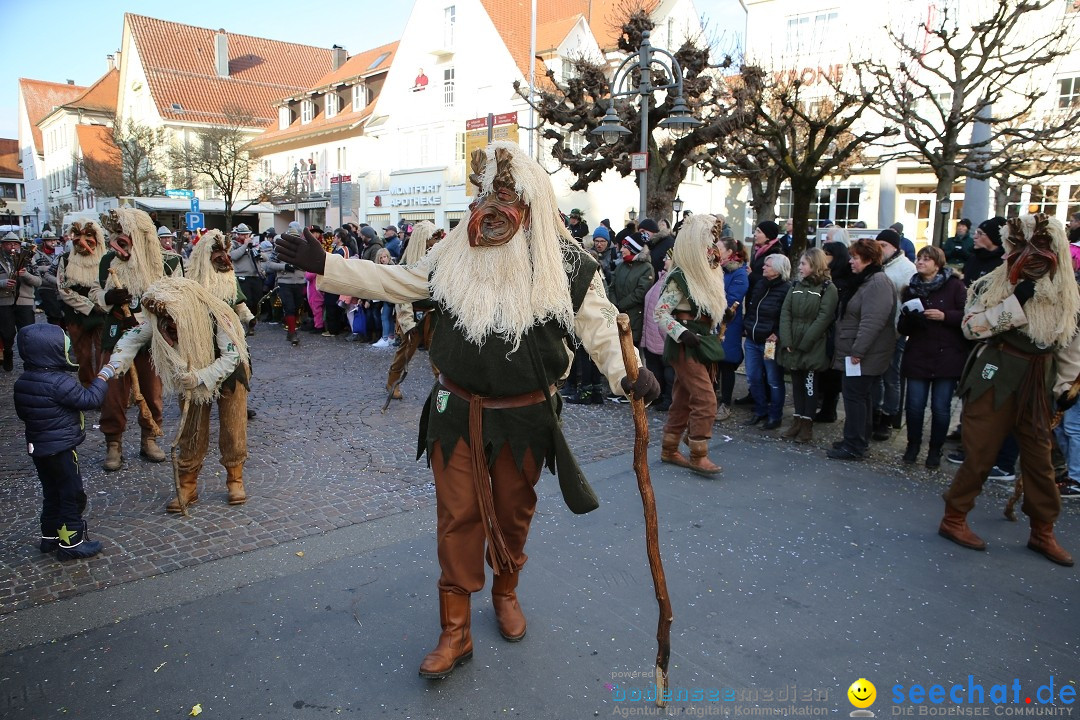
x: 988, y: 252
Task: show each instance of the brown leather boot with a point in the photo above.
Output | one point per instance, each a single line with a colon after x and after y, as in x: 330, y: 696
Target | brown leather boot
x: 455, y: 642
x: 806, y: 431
x: 235, y: 484
x: 507, y: 611
x: 189, y: 490
x: 149, y: 448
x: 669, y: 451
x: 1043, y: 542
x: 793, y: 429
x: 114, y: 455
x: 954, y: 527
x: 699, y: 458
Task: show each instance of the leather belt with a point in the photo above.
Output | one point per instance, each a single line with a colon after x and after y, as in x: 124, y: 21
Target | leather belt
x: 503, y: 402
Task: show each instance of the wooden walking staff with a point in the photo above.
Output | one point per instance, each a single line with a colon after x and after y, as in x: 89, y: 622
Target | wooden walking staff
x: 648, y: 501
x: 144, y: 409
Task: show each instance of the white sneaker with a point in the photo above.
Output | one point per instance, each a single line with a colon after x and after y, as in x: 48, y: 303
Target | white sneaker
x: 382, y: 343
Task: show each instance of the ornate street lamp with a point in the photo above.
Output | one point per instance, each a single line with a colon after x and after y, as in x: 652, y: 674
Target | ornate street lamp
x: 679, y: 121
x: 676, y: 205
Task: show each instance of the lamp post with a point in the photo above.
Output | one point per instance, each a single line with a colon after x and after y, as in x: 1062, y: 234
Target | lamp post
x: 680, y: 121
x: 632, y: 214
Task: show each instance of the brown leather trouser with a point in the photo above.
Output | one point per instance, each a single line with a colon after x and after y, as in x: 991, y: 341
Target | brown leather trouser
x: 693, y: 400
x: 408, y: 347
x: 118, y: 397
x: 232, y: 432
x: 460, y: 531
x: 985, y: 429
x: 86, y: 344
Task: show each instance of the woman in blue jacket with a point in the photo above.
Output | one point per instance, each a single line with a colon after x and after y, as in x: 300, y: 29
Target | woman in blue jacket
x: 736, y: 283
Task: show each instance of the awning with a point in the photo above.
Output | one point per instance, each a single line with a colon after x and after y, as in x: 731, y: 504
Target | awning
x: 183, y: 205
x: 307, y: 205
x: 417, y: 216
x: 455, y: 214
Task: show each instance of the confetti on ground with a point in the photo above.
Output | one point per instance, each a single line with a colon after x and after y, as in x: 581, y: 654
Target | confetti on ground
x: 159, y: 667
x: 196, y: 709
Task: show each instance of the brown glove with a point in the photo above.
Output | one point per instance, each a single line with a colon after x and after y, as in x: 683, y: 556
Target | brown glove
x: 305, y: 252
x: 645, y: 387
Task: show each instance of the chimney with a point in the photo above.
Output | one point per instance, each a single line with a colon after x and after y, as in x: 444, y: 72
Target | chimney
x: 221, y: 53
x: 339, y: 55
x: 110, y: 62
x: 70, y: 82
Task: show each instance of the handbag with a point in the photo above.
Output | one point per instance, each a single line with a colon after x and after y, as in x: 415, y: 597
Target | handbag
x: 359, y: 321
x: 576, y: 491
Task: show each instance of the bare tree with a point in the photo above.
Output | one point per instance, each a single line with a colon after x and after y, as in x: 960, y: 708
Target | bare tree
x: 799, y: 132
x: 569, y: 111
x: 966, y: 69
x: 130, y: 163
x: 220, y: 155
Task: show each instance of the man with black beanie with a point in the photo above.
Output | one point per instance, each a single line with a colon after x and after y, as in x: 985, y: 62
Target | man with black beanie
x: 988, y: 252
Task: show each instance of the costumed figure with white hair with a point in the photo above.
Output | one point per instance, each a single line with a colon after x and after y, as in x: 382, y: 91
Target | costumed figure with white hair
x: 133, y: 263
x: 76, y: 273
x: 511, y: 287
x: 199, y: 349
x: 690, y: 307
x: 1024, y: 317
x: 416, y: 319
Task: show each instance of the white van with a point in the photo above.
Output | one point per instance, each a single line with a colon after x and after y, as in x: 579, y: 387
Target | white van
x: 78, y: 217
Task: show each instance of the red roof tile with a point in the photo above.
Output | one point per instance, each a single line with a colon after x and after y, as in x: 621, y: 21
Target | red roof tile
x: 359, y: 65
x: 101, y: 96
x: 551, y: 34
x: 9, y: 159
x: 41, y: 97
x: 181, y: 70
x: 96, y: 142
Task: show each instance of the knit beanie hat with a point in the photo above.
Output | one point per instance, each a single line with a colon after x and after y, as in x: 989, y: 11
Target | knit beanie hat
x: 890, y: 236
x: 771, y: 229
x: 992, y: 228
x: 649, y: 225
x: 634, y: 243
x: 601, y: 232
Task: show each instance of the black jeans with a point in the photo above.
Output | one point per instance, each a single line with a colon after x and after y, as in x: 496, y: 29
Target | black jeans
x: 665, y: 375
x: 727, y: 381
x: 252, y: 286
x: 12, y: 319
x: 63, y: 499
x: 858, y: 412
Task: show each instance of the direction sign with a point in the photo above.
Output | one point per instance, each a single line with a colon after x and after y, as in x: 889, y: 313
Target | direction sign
x: 179, y: 193
x: 194, y: 204
x: 194, y: 221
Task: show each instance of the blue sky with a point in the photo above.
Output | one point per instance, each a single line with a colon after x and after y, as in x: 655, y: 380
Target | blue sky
x: 60, y: 40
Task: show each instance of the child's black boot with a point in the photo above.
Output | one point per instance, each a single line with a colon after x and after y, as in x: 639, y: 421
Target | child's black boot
x: 75, y: 543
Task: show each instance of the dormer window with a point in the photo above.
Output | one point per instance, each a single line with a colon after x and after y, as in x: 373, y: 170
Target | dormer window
x: 359, y: 96
x: 331, y: 104
x: 284, y: 117
x: 307, y: 111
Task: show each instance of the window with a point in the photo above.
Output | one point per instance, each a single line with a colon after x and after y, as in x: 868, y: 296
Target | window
x: 449, y: 19
x: 1068, y: 92
x: 1074, y: 201
x: 808, y: 33
x: 847, y: 206
x: 1043, y: 199
x: 359, y: 96
x: 341, y: 158
x: 307, y: 111
x: 567, y: 70
x: 331, y: 104
x: 459, y: 147
x: 576, y: 142
x: 284, y: 117
x: 448, y: 87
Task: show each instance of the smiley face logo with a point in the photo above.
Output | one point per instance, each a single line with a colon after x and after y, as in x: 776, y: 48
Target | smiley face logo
x: 862, y: 693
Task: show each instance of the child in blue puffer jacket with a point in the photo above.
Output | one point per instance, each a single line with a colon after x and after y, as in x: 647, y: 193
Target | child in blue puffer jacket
x: 50, y: 400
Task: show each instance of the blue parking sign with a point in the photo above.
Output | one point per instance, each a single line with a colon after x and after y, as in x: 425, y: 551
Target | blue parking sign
x: 194, y: 220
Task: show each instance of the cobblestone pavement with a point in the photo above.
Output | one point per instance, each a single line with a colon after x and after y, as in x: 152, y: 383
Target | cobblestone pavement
x: 322, y: 456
